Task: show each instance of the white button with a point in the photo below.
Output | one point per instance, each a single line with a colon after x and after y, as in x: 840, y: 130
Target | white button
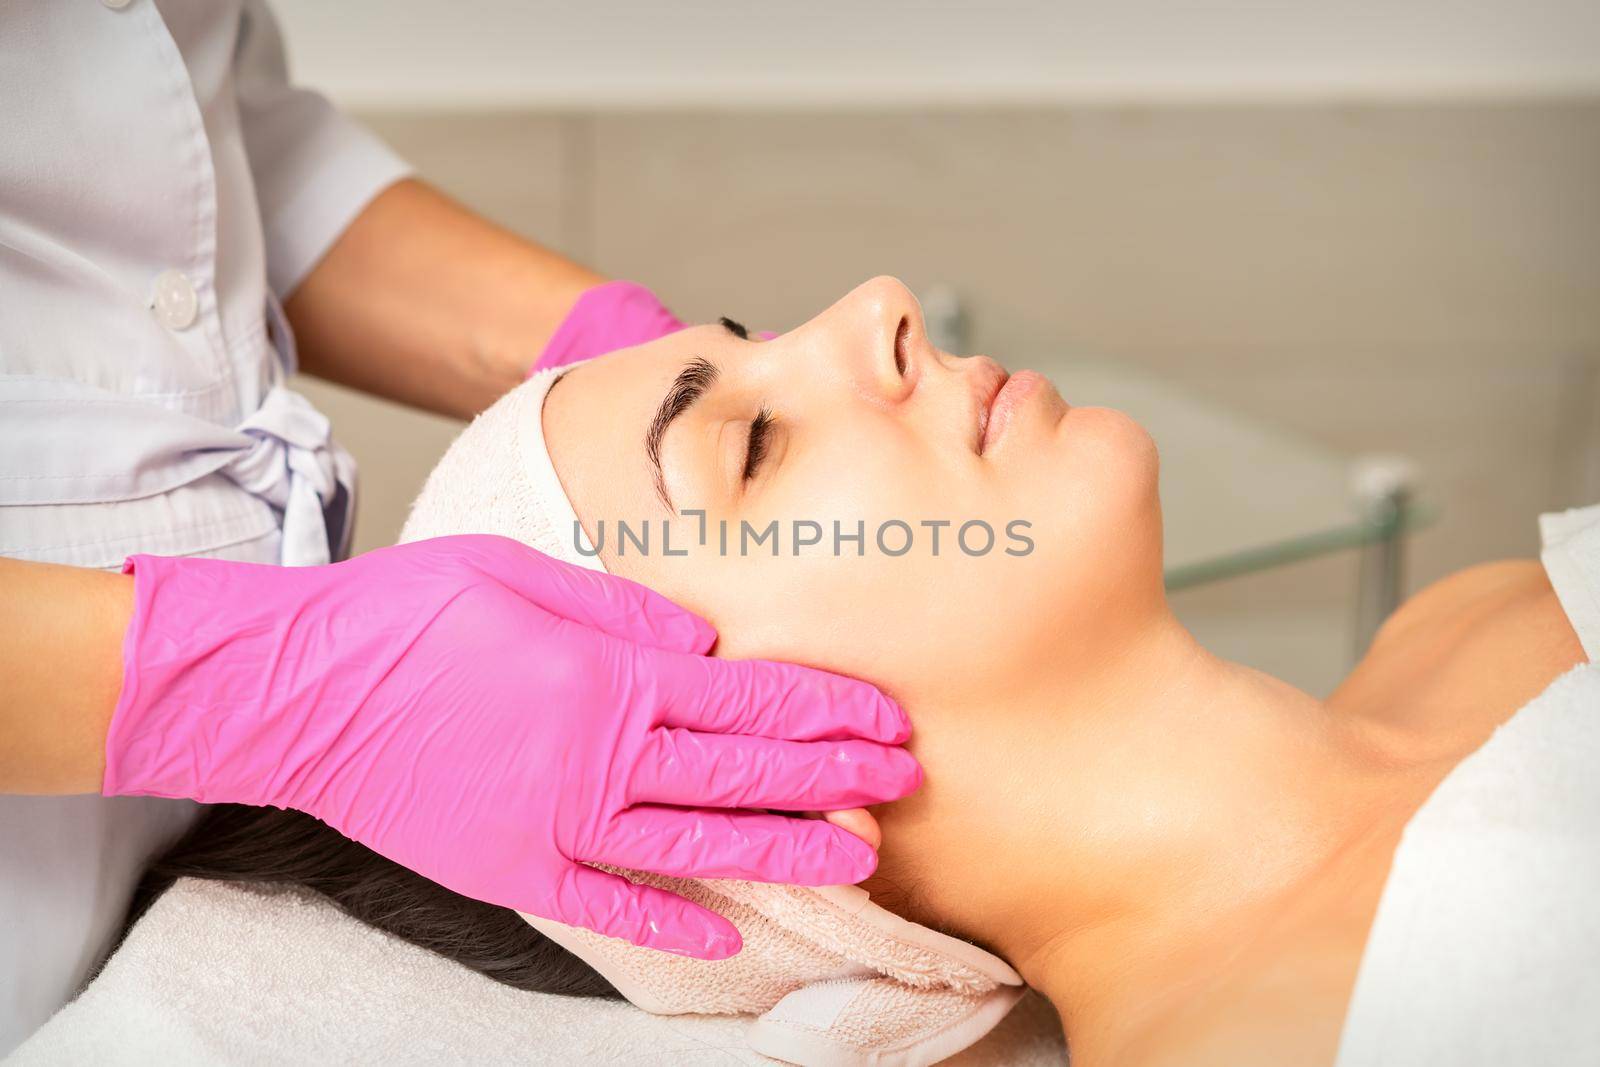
x: 116, y: 5
x: 174, y: 300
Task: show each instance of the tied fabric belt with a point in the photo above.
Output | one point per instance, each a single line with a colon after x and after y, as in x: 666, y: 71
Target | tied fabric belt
x: 65, y: 442
x: 295, y: 465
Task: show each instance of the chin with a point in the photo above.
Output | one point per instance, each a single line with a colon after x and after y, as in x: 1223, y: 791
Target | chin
x: 1113, y: 474
x: 1111, y: 450
x: 1118, y: 431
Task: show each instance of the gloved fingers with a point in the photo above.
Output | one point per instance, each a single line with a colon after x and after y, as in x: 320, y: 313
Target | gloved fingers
x: 693, y: 769
x: 754, y: 846
x: 779, y: 700
x: 644, y: 915
x: 613, y: 315
x: 615, y: 606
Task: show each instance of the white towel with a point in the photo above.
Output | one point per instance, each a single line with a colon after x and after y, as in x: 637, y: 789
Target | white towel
x: 1487, y: 943
x: 221, y: 974
x: 1486, y: 947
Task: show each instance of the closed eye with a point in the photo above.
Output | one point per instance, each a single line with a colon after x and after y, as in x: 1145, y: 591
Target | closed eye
x: 760, y: 440
x: 735, y: 328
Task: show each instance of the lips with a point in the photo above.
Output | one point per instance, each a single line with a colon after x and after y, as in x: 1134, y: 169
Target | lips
x: 1016, y: 390
x: 987, y: 384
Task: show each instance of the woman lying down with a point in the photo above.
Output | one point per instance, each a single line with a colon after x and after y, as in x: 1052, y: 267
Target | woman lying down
x: 1195, y: 862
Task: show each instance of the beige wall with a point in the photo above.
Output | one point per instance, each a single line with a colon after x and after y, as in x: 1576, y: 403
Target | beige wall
x: 733, y: 53
x: 1420, y: 278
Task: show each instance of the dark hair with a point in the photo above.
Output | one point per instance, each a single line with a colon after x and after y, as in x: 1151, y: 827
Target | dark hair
x: 270, y: 846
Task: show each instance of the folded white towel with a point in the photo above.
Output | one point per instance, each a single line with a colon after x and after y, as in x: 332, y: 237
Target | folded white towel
x: 220, y: 974
x: 1484, y: 949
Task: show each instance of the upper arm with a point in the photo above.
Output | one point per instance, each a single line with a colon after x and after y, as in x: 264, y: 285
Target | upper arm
x: 313, y: 167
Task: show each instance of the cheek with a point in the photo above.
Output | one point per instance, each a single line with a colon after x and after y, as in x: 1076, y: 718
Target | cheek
x: 859, y: 469
x: 1105, y: 495
x: 893, y: 622
x: 950, y: 626
x: 905, y: 622
x: 1092, y: 498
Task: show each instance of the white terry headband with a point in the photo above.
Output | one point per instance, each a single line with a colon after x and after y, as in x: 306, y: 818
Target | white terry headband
x: 834, y: 978
x: 497, y: 477
x: 541, y: 473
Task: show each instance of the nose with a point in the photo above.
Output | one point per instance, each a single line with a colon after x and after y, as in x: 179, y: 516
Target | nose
x: 890, y: 339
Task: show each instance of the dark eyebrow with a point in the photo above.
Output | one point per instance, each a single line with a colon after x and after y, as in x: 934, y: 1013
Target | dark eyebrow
x: 690, y: 385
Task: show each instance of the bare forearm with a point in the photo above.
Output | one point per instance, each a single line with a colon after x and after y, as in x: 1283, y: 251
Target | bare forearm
x: 424, y: 302
x: 61, y: 632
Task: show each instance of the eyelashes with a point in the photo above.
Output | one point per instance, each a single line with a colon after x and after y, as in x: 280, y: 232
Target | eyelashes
x: 761, y: 426
x: 760, y: 440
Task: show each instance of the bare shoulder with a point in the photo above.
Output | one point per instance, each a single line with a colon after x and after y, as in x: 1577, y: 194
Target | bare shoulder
x: 1467, y: 651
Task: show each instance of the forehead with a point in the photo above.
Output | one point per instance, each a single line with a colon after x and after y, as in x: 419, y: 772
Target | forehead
x: 622, y: 387
x: 595, y: 420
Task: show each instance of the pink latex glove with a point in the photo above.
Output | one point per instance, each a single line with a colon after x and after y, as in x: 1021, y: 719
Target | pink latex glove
x: 614, y: 315
x: 610, y: 316
x: 495, y: 720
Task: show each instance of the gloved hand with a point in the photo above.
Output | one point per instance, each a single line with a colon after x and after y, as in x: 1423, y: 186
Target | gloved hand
x: 610, y: 316
x: 495, y: 719
x: 614, y: 315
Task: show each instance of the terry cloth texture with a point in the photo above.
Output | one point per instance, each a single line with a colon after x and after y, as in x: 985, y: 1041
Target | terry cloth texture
x: 225, y: 974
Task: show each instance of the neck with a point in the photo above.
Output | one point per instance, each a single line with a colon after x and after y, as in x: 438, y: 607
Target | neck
x: 1141, y: 820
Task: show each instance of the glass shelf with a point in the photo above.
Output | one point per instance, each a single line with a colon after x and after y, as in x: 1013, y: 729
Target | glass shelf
x: 1239, y: 496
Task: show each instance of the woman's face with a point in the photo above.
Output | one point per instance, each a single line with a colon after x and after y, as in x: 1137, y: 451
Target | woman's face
x: 854, y: 422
